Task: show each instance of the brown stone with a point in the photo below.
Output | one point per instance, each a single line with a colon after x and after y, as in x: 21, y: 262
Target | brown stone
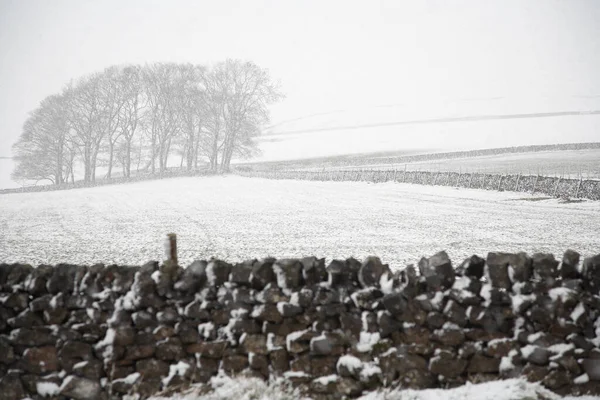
x: 480, y: 364
x: 151, y: 368
x: 207, y: 349
x: 40, y: 360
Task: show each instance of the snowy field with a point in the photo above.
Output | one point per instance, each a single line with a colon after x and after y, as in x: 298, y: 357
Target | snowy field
x: 224, y: 388
x: 238, y: 218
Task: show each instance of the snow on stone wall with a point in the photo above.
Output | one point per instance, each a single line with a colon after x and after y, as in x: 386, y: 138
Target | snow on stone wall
x: 550, y: 186
x: 100, y: 332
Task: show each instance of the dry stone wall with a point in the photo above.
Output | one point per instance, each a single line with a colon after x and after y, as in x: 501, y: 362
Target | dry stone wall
x: 333, y: 329
x: 550, y: 186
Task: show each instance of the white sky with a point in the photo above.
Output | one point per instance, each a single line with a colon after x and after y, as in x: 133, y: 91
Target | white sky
x: 328, y: 55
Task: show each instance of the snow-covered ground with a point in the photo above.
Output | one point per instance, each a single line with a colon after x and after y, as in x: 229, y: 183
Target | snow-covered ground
x: 225, y: 388
x: 239, y: 218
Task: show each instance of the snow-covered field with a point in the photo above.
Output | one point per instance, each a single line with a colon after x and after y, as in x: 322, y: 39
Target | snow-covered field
x: 238, y: 218
x: 224, y: 388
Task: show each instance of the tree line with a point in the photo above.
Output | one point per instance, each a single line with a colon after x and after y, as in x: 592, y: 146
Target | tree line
x: 138, y: 118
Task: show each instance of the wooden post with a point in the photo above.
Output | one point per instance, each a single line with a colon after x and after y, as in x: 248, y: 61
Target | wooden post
x: 578, y: 186
x: 500, y: 183
x: 517, y: 184
x: 470, y: 179
x: 395, y: 173
x: 170, y: 265
x: 556, y: 187
x: 535, y: 183
x: 435, y: 178
x: 458, y: 180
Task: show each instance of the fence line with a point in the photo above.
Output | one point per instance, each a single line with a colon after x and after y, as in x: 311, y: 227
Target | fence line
x: 551, y: 186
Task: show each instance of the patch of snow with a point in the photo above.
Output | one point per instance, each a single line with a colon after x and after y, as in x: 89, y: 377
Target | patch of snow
x: 156, y: 276
x: 270, y: 345
x: 130, y: 379
x: 581, y: 379
x: 437, y: 300
x: 486, y: 293
x: 292, y: 337
x: 351, y: 363
x: 561, y: 293
x: 206, y: 329
x: 326, y: 380
x: 47, y: 389
x: 367, y: 341
x: 535, y: 336
x: 519, y: 299
x: 369, y: 370
x: 461, y: 283
x: 178, y: 369
x: 528, y: 350
x: 577, y: 312
x: 386, y: 283
x: 108, y: 340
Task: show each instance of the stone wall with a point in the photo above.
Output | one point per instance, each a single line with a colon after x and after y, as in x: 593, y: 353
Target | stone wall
x: 546, y: 185
x: 333, y: 329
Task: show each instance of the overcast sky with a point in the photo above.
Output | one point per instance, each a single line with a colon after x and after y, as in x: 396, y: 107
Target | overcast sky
x: 328, y: 55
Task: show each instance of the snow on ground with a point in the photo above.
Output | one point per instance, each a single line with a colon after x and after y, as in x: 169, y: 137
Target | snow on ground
x: 239, y: 218
x: 225, y: 388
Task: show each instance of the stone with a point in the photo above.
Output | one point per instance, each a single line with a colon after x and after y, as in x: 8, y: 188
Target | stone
x: 288, y: 273
x: 497, y: 270
x: 591, y: 273
x: 435, y: 320
x: 18, y: 301
x: 387, y: 324
x: 91, y: 369
x: 446, y: 365
x: 79, y: 388
x: 7, y: 353
x: 279, y: 360
x: 568, y: 266
x: 143, y: 319
x: 192, y: 278
x: 313, y: 270
x: 321, y: 346
x: 169, y: 349
x: 267, y: 312
x: 455, y: 313
x: 207, y: 349
x: 395, y: 303
x: 234, y: 363
x: 217, y: 272
x: 62, y: 279
x: 472, y: 267
x: 437, y: 271
x: 371, y: 271
x: 449, y: 337
x: 534, y: 372
x: 591, y: 367
x: 289, y: 310
x: 32, y: 337
x: 241, y: 273
x: 167, y: 316
x: 544, y: 266
x: 482, y: 365
x: 557, y: 379
x: 262, y: 274
x: 254, y: 343
x: 272, y: 295
x: 152, y: 368
x: 11, y: 387
x: 536, y: 355
x: 349, y: 387
x: 322, y: 365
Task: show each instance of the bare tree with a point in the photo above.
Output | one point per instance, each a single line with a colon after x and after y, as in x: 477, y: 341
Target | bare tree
x: 40, y: 151
x: 247, y: 92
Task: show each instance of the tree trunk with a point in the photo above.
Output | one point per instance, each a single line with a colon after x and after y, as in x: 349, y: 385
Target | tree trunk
x: 111, y: 151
